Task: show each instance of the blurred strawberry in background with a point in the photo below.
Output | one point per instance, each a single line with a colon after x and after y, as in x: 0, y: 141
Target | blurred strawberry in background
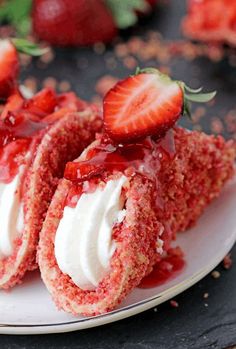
x: 66, y: 22
x: 211, y: 21
x: 73, y: 22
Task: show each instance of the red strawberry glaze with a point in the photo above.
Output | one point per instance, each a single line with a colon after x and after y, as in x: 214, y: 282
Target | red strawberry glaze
x: 43, y: 103
x: 166, y: 269
x: 10, y: 158
x: 14, y: 102
x: 16, y: 134
x: 71, y: 101
x: 21, y: 120
x: 144, y: 157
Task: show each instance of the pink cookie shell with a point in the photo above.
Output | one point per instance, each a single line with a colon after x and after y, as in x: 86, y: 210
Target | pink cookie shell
x: 202, y: 165
x: 59, y: 143
x: 136, y: 250
x: 195, y: 176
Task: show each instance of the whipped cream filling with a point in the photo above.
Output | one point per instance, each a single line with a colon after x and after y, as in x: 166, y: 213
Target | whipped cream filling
x: 83, y: 241
x: 11, y: 215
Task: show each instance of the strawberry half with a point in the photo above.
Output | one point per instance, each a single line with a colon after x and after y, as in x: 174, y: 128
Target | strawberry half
x: 14, y: 103
x: 148, y: 103
x: 43, y: 103
x: 9, y: 68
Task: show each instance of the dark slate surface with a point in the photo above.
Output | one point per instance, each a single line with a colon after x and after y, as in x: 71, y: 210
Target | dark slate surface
x: 197, y: 323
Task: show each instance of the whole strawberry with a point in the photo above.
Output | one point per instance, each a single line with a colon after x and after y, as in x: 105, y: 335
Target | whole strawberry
x: 73, y: 22
x: 69, y: 22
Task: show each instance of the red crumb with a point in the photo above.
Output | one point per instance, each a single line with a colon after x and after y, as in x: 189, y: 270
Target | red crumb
x: 130, y: 62
x: 99, y: 48
x: 217, y: 126
x: 174, y: 304
x: 31, y: 83
x: 50, y: 82
x: 47, y: 57
x: 227, y: 261
x: 64, y: 86
x: 206, y: 295
x: 105, y: 83
x: 230, y: 120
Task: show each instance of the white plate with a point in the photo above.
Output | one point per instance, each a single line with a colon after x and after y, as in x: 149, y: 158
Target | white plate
x: 28, y: 308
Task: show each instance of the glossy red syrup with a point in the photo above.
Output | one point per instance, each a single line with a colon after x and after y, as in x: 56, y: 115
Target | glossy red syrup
x: 144, y: 157
x: 71, y: 101
x: 16, y: 132
x: 166, y: 269
x: 20, y: 121
x: 11, y: 156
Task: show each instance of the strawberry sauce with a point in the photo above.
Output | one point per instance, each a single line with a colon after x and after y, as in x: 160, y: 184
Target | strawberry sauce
x: 22, y: 120
x: 144, y: 157
x: 164, y: 270
x: 16, y: 132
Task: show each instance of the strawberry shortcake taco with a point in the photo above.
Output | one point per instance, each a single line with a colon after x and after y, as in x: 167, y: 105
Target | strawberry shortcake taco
x: 122, y: 201
x: 37, y: 137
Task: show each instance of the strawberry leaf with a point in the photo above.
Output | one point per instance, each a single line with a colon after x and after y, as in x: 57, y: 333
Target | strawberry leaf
x: 191, y: 90
x: 125, y: 12
x: 201, y: 97
x: 194, y: 95
x: 27, y: 47
x: 17, y: 13
x: 186, y: 109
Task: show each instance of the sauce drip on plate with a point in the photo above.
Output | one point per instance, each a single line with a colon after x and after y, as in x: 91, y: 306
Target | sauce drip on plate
x: 164, y: 270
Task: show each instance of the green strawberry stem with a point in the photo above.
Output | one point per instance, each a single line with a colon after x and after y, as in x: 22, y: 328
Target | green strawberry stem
x: 190, y: 95
x: 28, y: 47
x: 124, y: 12
x: 194, y: 96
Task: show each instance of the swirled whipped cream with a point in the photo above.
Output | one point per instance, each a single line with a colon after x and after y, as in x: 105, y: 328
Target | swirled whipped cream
x: 83, y: 241
x: 11, y: 215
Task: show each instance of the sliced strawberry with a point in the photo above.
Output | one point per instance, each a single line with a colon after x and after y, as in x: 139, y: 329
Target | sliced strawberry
x: 14, y: 103
x: 43, y: 103
x: 148, y: 103
x: 9, y: 68
x: 102, y: 161
x: 142, y: 105
x: 80, y: 171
